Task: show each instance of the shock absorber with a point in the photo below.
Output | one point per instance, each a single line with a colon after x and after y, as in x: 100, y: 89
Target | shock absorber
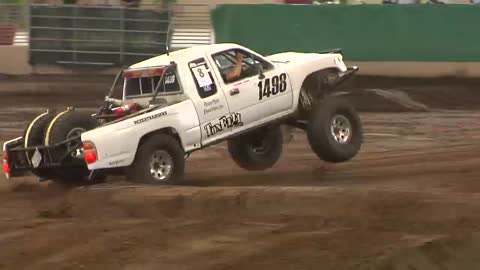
x: 306, y: 99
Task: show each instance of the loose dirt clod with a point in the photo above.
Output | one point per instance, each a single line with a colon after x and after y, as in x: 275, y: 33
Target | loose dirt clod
x: 63, y: 210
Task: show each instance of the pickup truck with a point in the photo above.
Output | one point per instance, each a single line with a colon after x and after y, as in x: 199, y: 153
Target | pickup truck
x: 189, y: 99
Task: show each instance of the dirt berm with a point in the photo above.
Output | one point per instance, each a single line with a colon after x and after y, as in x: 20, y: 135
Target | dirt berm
x: 409, y: 201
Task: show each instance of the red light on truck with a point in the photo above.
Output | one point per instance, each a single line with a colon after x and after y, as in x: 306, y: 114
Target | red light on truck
x: 6, y: 166
x: 157, y: 71
x: 90, y: 152
x: 133, y: 74
x: 90, y: 157
x: 88, y: 146
x: 137, y: 74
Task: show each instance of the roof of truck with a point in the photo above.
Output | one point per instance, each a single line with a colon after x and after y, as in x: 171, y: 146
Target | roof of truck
x: 183, y: 55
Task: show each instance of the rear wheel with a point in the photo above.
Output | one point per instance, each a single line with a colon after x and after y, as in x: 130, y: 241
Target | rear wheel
x: 67, y: 125
x: 258, y: 150
x: 34, y: 136
x: 160, y: 160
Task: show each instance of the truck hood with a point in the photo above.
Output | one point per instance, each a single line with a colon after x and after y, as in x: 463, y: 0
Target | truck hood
x: 295, y: 58
x: 288, y: 57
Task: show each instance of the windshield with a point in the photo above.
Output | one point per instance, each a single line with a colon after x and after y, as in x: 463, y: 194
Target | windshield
x: 144, y: 82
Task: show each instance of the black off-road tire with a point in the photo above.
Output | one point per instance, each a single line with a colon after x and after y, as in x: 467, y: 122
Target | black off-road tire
x: 242, y: 149
x: 34, y: 136
x: 162, y: 145
x: 65, y: 125
x: 319, y: 130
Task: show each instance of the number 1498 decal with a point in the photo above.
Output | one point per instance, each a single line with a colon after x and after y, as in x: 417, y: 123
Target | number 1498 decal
x: 272, y: 86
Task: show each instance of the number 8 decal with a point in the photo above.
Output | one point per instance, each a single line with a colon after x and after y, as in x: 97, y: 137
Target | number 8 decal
x: 200, y: 73
x: 278, y: 85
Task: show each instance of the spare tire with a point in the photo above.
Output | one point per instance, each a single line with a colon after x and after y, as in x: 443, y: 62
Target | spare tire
x: 67, y: 125
x: 34, y: 136
x: 258, y: 150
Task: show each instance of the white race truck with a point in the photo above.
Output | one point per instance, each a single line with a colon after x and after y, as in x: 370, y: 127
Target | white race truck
x: 184, y: 101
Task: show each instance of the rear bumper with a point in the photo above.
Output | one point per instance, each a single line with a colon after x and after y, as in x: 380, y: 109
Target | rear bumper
x: 19, y: 165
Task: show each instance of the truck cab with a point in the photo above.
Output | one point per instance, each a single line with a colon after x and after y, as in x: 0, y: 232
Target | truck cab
x: 223, y: 106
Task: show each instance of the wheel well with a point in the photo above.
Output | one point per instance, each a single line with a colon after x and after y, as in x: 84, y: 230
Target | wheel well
x: 315, y: 87
x: 169, y: 130
x: 317, y: 82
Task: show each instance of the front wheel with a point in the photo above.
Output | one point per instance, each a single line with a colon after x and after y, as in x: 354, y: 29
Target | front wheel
x: 334, y: 130
x: 160, y: 160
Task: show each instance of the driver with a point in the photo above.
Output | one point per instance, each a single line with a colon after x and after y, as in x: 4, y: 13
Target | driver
x: 237, y: 70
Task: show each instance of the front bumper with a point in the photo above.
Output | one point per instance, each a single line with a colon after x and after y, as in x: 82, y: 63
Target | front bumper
x: 342, y: 77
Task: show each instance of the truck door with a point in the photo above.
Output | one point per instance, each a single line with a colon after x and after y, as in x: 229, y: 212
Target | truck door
x: 251, y: 99
x: 212, y: 108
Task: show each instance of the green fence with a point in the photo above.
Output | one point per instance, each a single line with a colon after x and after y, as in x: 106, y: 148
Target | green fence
x: 101, y: 36
x: 365, y: 32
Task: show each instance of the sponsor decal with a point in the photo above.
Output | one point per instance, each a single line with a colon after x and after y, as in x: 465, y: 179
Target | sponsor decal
x: 224, y: 122
x: 115, y: 162
x: 240, y: 83
x: 211, y: 106
x: 150, y: 117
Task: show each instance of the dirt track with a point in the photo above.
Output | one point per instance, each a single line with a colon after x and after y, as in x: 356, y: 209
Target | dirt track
x: 410, y: 200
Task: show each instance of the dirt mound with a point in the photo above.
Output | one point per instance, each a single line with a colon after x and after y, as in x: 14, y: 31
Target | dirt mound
x: 437, y: 253
x: 236, y: 228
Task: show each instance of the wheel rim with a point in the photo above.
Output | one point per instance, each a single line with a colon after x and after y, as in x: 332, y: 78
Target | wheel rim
x: 161, y: 164
x: 341, y: 129
x: 260, y: 146
x: 78, y: 153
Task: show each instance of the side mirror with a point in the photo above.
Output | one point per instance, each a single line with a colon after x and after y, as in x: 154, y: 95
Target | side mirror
x: 261, y: 76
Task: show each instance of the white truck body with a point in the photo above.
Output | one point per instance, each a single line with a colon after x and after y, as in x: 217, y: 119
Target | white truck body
x: 198, y: 122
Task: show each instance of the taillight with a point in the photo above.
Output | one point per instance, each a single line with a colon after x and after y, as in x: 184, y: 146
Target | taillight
x: 90, y: 152
x: 6, y: 166
x: 90, y: 157
x: 88, y: 146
